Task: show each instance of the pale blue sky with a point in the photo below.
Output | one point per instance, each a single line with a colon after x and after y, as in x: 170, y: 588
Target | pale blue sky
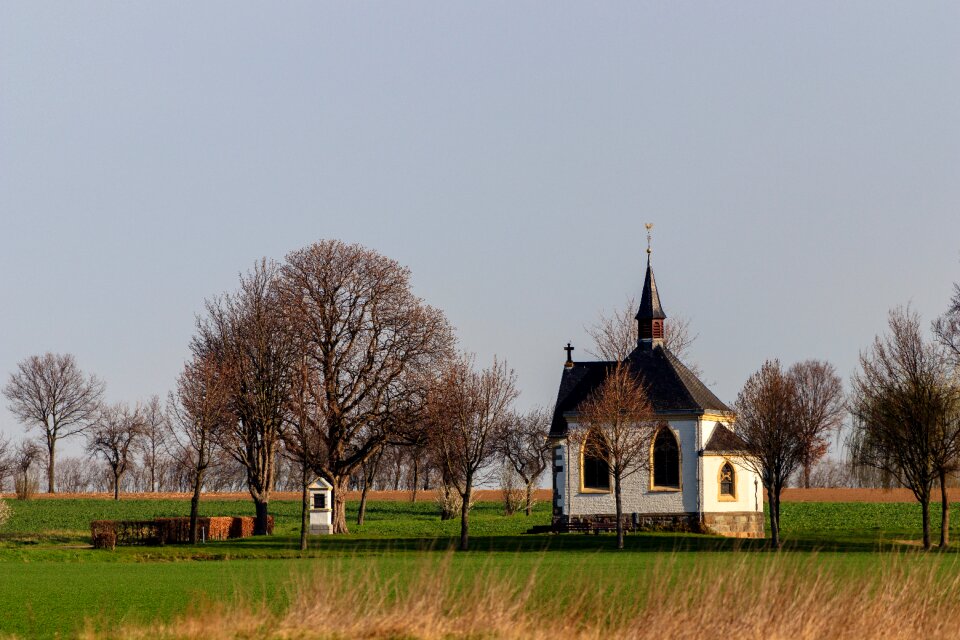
x: 801, y: 162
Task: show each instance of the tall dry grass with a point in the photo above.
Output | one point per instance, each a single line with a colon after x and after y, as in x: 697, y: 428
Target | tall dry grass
x: 770, y: 598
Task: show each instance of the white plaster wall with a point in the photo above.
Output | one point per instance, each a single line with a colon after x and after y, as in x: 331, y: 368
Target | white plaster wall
x: 749, y: 495
x: 636, y: 494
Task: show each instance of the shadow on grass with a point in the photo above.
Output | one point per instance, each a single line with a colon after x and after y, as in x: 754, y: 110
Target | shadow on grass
x: 633, y: 543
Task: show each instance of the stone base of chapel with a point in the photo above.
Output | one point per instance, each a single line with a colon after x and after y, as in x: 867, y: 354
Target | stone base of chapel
x: 738, y: 524
x: 735, y: 524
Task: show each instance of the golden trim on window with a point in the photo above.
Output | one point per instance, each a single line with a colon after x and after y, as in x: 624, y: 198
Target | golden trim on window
x: 653, y: 443
x: 727, y: 473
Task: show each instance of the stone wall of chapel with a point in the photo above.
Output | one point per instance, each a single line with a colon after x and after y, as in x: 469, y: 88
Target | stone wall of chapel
x: 636, y: 494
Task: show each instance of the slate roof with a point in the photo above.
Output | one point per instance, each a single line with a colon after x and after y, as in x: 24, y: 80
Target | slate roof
x: 650, y: 308
x: 722, y: 440
x: 672, y: 387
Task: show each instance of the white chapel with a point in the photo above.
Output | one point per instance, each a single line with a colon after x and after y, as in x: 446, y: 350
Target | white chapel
x: 697, y: 481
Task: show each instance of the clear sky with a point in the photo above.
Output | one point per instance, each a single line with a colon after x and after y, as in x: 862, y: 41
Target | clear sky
x: 801, y: 163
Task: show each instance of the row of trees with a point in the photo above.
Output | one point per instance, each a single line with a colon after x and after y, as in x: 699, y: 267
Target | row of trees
x: 327, y: 361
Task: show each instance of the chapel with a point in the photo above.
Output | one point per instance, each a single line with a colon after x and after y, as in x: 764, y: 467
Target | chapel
x: 697, y: 479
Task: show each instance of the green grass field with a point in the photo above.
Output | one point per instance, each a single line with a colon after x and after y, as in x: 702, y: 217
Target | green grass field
x: 52, y: 583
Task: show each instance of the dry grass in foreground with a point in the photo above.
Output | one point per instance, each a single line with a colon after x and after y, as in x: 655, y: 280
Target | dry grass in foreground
x: 751, y: 597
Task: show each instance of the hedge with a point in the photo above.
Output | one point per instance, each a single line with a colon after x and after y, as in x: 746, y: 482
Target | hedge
x: 106, y: 534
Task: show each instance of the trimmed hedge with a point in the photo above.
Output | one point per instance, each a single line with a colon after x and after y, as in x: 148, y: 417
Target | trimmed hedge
x: 106, y: 534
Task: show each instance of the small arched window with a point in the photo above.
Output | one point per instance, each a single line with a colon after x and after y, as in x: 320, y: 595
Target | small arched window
x: 666, y: 460
x: 728, y: 481
x: 596, y: 470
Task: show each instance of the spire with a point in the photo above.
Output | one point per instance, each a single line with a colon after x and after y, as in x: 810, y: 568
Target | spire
x: 650, y: 315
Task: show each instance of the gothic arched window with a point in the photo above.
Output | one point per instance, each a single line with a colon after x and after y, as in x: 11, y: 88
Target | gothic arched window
x: 666, y: 460
x: 728, y: 481
x: 595, y: 473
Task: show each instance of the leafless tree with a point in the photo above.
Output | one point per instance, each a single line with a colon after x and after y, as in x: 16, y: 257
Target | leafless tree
x: 466, y: 411
x: 6, y: 460
x: 73, y: 475
x: 615, y: 336
x: 368, y: 471
x: 617, y: 426
x: 768, y: 421
x: 245, y: 334
x: 26, y: 454
x: 152, y: 445
x: 199, y: 410
x: 52, y: 394
x: 524, y: 447
x: 113, y: 436
x: 906, y: 405
x: 821, y: 407
x: 370, y: 342
x: 946, y: 328
x: 303, y: 444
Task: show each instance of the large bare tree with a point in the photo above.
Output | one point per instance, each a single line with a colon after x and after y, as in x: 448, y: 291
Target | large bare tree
x: 617, y: 425
x: 51, y: 394
x: 370, y: 343
x: 615, y: 336
x: 113, y: 436
x: 467, y: 409
x: 523, y: 445
x: 821, y: 407
x: 245, y: 333
x: 768, y: 421
x: 905, y: 399
x: 199, y: 409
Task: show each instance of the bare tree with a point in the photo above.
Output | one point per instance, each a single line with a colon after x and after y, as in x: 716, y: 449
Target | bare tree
x: 113, y: 436
x: 615, y: 336
x: 467, y: 409
x: 768, y: 422
x: 152, y: 445
x: 618, y: 427
x: 199, y: 410
x: 245, y: 334
x: 303, y: 444
x: 946, y: 328
x: 52, y: 394
x: 370, y: 343
x: 73, y: 475
x: 905, y: 402
x: 821, y: 408
x: 26, y: 454
x: 6, y: 460
x: 523, y: 445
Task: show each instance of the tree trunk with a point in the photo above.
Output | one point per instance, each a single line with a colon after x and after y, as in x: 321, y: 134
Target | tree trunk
x: 806, y: 474
x: 416, y: 478
x: 340, y: 484
x: 260, y: 524
x: 775, y: 518
x: 925, y: 510
x: 529, y: 506
x: 945, y: 511
x: 304, y: 505
x: 195, y: 505
x: 362, y: 511
x: 51, y: 450
x: 464, y: 516
x: 116, y: 485
x: 619, y: 502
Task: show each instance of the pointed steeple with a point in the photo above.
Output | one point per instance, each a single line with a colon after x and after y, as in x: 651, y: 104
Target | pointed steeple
x: 650, y: 316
